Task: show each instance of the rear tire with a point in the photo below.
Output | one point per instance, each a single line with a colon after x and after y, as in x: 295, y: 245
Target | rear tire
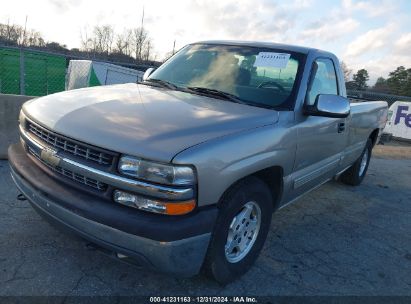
x: 240, y: 230
x: 355, y: 174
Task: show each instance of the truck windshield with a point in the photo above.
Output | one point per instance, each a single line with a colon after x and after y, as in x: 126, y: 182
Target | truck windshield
x: 259, y: 76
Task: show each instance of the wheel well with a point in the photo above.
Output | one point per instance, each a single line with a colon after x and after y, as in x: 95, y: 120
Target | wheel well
x: 273, y: 177
x: 374, y: 136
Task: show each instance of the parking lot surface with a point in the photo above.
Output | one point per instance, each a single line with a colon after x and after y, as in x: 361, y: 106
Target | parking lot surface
x: 337, y: 240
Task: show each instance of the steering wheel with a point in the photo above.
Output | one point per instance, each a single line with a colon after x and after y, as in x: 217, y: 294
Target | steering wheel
x: 271, y: 83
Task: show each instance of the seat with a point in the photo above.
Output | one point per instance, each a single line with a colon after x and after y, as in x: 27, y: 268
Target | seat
x: 243, y: 77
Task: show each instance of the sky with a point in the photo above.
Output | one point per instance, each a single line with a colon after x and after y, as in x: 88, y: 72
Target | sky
x: 370, y: 34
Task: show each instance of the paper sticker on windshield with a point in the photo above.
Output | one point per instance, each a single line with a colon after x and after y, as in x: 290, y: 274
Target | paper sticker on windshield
x: 273, y: 60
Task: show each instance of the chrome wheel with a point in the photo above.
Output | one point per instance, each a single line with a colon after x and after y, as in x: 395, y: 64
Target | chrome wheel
x: 243, y: 232
x: 363, y: 164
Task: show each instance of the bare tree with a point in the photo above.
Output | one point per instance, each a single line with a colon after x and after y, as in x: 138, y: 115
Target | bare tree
x: 103, y: 37
x: 103, y: 40
x: 11, y: 33
x: 120, y: 44
x: 139, y: 38
x: 17, y: 35
x: 99, y: 41
x: 346, y: 71
x: 147, y: 50
x: 123, y: 43
x: 32, y: 38
x: 86, y: 41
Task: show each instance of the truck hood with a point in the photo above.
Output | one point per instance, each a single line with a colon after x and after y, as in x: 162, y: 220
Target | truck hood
x: 144, y: 121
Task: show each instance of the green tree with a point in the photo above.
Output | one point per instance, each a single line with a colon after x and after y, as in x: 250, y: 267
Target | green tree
x: 399, y: 81
x: 360, y: 79
x: 381, y: 85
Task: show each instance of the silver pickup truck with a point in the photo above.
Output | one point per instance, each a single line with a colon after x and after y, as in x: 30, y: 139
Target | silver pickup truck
x: 182, y: 172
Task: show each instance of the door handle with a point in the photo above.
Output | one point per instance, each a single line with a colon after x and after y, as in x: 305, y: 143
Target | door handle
x: 341, y: 127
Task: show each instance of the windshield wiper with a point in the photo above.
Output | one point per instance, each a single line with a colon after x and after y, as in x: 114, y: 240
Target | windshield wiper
x: 217, y: 93
x: 162, y: 83
x: 227, y: 96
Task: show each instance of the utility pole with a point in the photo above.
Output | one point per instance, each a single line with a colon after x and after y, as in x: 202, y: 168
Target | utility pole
x: 142, y: 20
x: 174, y: 46
x: 140, y: 46
x: 24, y: 33
x: 22, y: 62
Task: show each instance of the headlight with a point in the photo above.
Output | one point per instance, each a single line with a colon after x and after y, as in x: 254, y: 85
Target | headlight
x: 153, y: 205
x: 156, y: 172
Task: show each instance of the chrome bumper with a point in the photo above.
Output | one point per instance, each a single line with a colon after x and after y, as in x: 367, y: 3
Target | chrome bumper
x: 53, y: 158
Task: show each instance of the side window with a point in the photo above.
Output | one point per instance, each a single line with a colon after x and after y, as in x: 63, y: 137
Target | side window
x: 325, y: 80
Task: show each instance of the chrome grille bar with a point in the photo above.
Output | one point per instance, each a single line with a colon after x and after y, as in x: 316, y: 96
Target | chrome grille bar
x: 70, y: 174
x: 61, y: 143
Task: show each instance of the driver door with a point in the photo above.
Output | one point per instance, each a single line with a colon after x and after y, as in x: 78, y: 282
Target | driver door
x: 321, y: 140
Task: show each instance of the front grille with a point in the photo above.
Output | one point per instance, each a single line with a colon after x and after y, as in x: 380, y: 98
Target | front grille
x: 70, y: 146
x: 71, y: 175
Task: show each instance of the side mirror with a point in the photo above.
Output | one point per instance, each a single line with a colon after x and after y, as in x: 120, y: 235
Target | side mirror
x: 147, y: 73
x: 328, y: 105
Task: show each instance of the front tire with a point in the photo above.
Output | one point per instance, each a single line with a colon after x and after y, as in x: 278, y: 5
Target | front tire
x: 355, y: 174
x: 240, y: 230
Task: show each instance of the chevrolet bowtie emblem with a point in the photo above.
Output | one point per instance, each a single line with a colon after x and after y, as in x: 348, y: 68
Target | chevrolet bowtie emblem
x: 50, y: 157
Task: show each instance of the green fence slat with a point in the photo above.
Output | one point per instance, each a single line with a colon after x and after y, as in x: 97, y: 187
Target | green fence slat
x: 9, y: 71
x: 45, y: 74
x: 35, y: 70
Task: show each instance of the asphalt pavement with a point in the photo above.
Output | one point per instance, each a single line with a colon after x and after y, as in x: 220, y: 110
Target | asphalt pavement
x: 337, y: 240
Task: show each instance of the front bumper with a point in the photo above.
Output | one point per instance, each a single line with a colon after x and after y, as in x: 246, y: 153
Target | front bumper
x: 171, y: 244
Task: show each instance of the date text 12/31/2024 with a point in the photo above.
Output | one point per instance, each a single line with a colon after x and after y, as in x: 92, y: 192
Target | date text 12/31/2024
x: 203, y: 299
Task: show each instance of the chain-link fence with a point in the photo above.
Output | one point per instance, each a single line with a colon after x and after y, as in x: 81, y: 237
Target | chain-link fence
x: 370, y: 95
x: 38, y: 73
x: 29, y: 73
